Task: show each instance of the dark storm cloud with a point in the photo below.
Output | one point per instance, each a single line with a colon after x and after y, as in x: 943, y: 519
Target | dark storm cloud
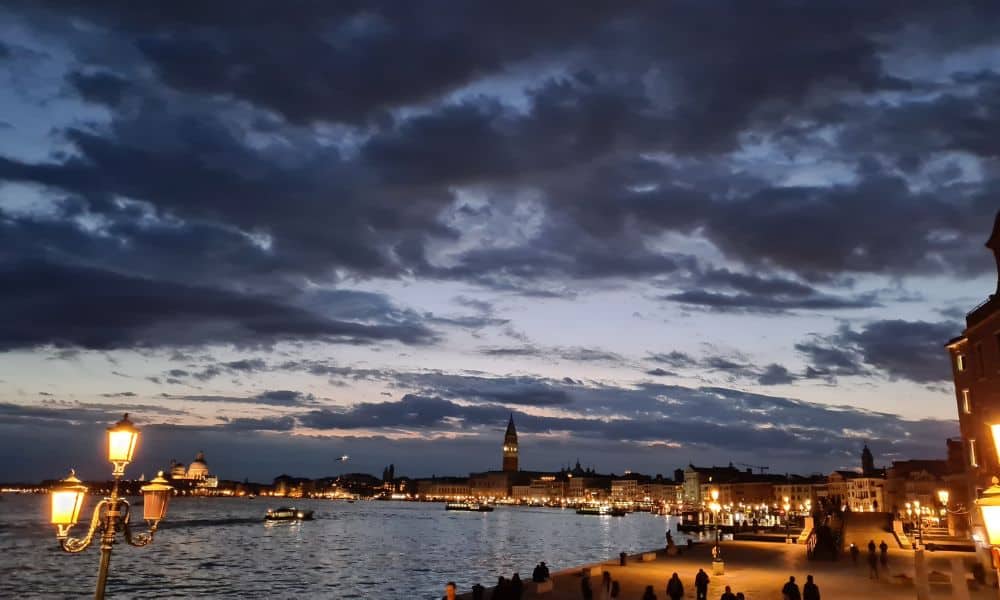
x: 674, y: 358
x: 288, y: 398
x: 94, y: 309
x: 896, y: 349
x: 634, y: 79
x: 767, y: 303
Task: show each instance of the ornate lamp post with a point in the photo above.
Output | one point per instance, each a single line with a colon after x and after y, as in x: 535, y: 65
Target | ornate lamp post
x: 920, y: 518
x: 718, y: 567
x: 112, y: 514
x: 786, y: 506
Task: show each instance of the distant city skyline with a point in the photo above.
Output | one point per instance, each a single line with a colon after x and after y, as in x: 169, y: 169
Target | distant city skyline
x: 656, y: 234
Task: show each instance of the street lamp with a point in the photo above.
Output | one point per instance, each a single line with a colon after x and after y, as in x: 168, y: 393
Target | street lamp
x: 920, y: 533
x: 786, y: 506
x: 715, y: 507
x: 111, y: 514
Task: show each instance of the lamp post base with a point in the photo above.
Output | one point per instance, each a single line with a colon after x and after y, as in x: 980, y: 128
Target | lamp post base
x: 718, y: 567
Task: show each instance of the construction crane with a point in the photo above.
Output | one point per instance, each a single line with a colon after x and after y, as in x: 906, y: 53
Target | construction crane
x: 761, y: 468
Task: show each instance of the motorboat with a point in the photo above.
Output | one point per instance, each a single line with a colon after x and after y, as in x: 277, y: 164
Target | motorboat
x: 468, y: 506
x: 288, y: 514
x: 594, y: 510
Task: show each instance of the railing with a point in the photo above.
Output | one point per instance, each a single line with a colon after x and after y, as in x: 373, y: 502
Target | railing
x: 980, y: 312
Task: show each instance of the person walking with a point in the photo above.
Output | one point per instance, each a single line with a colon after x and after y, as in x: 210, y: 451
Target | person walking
x: 516, y: 588
x: 605, y: 586
x: 883, y: 556
x: 502, y: 588
x: 872, y: 562
x: 616, y: 591
x: 728, y: 594
x: 585, y: 590
x: 810, y: 591
x: 791, y: 590
x: 854, y: 553
x: 701, y: 585
x: 649, y: 594
x: 675, y: 589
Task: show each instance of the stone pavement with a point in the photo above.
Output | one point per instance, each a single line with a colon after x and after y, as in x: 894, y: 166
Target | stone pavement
x: 759, y: 569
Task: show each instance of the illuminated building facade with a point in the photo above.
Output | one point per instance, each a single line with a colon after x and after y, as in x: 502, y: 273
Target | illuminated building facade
x: 975, y: 366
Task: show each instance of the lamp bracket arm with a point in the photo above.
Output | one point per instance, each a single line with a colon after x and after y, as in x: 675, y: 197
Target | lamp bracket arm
x: 75, y: 545
x: 134, y: 539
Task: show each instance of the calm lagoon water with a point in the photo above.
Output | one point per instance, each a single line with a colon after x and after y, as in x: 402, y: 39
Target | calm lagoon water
x: 215, y: 548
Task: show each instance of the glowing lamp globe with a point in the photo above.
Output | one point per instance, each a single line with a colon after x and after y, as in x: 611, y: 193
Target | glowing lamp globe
x: 989, y: 506
x: 715, y: 494
x: 67, y: 500
x: 122, y: 438
x: 155, y: 497
x: 943, y: 497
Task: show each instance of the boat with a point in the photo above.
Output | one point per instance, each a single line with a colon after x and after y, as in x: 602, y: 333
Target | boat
x: 594, y: 510
x: 288, y: 514
x: 468, y: 506
x: 618, y: 512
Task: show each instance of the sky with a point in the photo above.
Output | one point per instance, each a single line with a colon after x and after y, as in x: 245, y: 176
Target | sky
x: 656, y: 233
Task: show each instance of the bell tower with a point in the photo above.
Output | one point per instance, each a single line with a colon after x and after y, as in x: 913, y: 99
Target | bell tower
x: 867, y: 462
x: 510, y: 447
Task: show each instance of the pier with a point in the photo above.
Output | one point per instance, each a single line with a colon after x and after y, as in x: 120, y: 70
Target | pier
x: 760, y: 569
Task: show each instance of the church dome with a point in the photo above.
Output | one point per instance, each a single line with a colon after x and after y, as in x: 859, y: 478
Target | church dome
x: 199, y: 468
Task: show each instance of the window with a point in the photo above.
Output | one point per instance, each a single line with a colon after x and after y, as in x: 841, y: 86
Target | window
x: 966, y: 402
x: 960, y: 362
x: 973, y: 461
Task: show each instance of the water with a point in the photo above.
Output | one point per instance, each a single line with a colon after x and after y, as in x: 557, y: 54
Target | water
x: 212, y: 547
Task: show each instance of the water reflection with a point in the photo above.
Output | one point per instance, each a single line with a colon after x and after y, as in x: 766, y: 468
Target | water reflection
x: 223, y: 548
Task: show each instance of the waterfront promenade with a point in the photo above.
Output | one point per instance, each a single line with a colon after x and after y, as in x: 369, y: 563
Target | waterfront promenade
x: 760, y: 569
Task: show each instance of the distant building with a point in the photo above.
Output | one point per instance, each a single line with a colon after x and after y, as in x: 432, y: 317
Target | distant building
x: 196, y: 473
x: 975, y: 366
x: 862, y: 491
x: 510, y: 447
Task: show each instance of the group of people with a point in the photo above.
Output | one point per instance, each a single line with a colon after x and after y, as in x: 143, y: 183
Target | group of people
x: 675, y: 589
x: 874, y: 560
x: 507, y: 589
x: 790, y: 591
x: 541, y: 573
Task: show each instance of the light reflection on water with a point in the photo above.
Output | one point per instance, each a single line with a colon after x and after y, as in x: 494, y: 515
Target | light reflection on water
x: 222, y: 548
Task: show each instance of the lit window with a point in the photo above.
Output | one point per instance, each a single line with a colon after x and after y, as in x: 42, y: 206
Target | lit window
x: 973, y: 461
x: 960, y: 361
x: 966, y: 402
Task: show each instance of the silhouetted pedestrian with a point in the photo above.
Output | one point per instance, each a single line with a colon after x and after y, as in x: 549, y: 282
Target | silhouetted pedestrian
x: 545, y: 571
x: 649, y: 594
x: 701, y: 585
x: 605, y: 585
x: 538, y: 575
x: 616, y: 590
x: 478, y: 591
x: 883, y: 556
x: 791, y: 590
x: 854, y: 553
x: 728, y: 594
x: 586, y: 592
x: 872, y: 564
x: 810, y: 591
x: 516, y: 589
x: 675, y: 589
x: 740, y: 596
